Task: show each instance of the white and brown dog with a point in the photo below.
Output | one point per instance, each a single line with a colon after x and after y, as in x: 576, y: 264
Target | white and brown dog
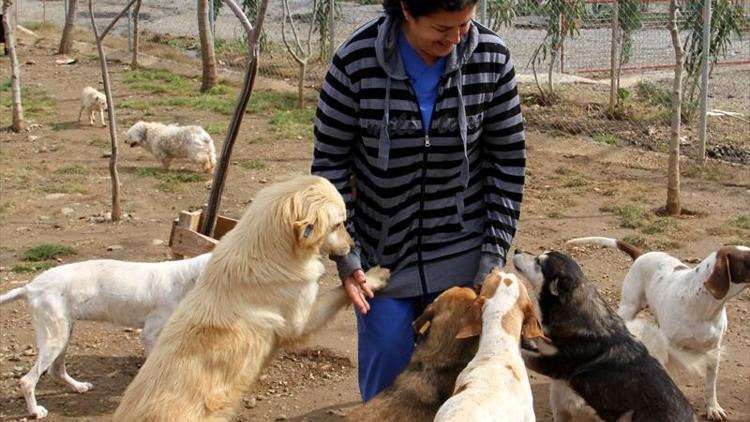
x: 93, y: 101
x: 168, y: 142
x: 688, y: 303
x: 494, y: 386
x: 132, y: 294
x: 258, y: 293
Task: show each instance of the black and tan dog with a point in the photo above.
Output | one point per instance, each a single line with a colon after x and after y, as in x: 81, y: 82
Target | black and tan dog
x: 447, y: 339
x: 591, y: 350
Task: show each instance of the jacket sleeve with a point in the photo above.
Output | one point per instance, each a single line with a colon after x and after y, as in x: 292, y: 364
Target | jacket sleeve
x: 335, y: 131
x: 504, y: 153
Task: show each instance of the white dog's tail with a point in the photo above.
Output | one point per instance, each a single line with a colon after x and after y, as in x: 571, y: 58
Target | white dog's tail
x: 673, y: 358
x: 608, y: 242
x: 12, y: 295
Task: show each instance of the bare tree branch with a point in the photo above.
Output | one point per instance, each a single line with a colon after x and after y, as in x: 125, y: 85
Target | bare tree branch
x: 116, y: 18
x: 114, y: 176
x: 220, y: 175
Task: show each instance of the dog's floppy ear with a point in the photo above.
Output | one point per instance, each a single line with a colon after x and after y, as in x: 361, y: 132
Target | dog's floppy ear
x: 310, y: 218
x: 531, y: 327
x: 471, y: 320
x: 731, y: 265
x: 422, y: 324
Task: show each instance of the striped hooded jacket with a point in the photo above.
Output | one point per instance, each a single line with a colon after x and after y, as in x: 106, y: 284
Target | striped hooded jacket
x: 438, y: 207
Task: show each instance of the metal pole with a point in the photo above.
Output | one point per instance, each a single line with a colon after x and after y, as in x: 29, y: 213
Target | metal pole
x: 614, y: 56
x: 483, y: 13
x: 65, y: 6
x: 704, y: 80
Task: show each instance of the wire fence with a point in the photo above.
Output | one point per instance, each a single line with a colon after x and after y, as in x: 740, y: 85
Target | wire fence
x: 568, y: 39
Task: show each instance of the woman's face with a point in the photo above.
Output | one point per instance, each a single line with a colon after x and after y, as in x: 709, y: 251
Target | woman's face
x: 436, y: 35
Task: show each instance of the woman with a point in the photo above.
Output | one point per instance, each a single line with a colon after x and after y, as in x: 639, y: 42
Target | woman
x: 419, y: 127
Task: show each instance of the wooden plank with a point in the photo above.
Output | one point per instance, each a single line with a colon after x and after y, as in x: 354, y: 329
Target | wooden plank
x: 188, y: 243
x: 223, y: 225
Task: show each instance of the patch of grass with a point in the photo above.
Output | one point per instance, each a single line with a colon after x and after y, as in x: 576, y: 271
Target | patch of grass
x: 169, y: 180
x: 31, y: 25
x: 631, y: 217
x: 5, y: 206
x: 293, y: 123
x: 605, y: 139
x: 63, y: 188
x: 563, y: 171
x: 74, y: 169
x: 661, y: 225
x: 56, y: 127
x: 637, y: 241
x: 136, y: 104
x: 653, y: 94
x: 99, y: 142
x: 32, y: 267
x: 219, y: 104
x: 215, y: 128
x: 266, y: 100
x: 159, y: 81
x: 742, y: 222
x: 46, y: 251
x: 253, y: 164
x: 36, y: 102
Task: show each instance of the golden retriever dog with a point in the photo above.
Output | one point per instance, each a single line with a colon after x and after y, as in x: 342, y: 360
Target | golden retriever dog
x: 259, y: 292
x: 448, y: 337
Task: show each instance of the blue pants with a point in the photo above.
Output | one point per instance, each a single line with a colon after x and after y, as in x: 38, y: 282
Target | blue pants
x: 386, y: 340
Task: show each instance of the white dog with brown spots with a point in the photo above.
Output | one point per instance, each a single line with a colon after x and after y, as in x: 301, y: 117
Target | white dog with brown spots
x: 688, y: 303
x: 494, y: 386
x: 167, y: 142
x: 93, y: 101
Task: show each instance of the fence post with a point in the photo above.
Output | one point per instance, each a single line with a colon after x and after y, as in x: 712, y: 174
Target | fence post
x: 483, y: 13
x: 65, y: 8
x: 704, y: 81
x: 614, y: 56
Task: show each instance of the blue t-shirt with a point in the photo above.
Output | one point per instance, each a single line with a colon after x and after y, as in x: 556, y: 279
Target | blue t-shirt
x: 424, y: 79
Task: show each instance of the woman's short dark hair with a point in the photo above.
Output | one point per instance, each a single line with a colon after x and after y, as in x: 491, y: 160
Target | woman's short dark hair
x: 419, y: 8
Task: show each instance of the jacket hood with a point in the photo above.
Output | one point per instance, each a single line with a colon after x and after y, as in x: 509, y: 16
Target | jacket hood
x: 389, y: 58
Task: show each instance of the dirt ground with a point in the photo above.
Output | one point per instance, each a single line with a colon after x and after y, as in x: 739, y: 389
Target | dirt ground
x: 575, y: 188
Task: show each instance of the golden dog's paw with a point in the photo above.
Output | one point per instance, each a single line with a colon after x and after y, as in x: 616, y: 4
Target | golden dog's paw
x: 377, y: 277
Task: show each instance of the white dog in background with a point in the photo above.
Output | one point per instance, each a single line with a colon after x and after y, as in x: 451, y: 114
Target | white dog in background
x: 93, y: 101
x: 167, y: 142
x: 133, y: 294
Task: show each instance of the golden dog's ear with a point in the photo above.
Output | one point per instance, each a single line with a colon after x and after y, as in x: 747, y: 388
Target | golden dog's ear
x: 471, y: 321
x: 310, y: 219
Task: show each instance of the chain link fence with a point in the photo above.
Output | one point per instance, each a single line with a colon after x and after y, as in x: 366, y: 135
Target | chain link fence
x: 569, y: 41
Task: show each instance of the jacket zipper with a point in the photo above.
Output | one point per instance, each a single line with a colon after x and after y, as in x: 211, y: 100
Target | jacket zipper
x: 422, y: 188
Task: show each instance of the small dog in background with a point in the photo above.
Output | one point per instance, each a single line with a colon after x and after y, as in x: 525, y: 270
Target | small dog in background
x: 132, y: 294
x: 167, y: 142
x: 590, y: 349
x: 494, y: 386
x: 93, y: 101
x: 447, y: 337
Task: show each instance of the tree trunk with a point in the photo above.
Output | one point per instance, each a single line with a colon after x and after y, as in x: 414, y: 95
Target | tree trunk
x: 66, y: 41
x: 136, y: 37
x: 673, y: 172
x: 113, y: 174
x: 17, y: 123
x: 210, y: 76
x: 301, y: 85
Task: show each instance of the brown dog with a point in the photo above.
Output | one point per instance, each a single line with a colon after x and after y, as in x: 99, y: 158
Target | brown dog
x: 258, y: 293
x: 448, y: 333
